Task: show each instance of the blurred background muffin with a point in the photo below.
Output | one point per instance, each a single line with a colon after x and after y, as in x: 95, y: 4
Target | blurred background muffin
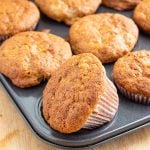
x: 17, y: 16
x: 67, y: 11
x: 108, y: 36
x: 120, y: 4
x: 141, y: 15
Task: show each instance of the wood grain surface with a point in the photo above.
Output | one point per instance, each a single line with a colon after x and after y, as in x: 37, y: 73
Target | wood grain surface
x: 16, y: 135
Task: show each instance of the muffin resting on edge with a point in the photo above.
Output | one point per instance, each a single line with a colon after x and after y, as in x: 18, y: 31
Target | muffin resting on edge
x: 79, y: 95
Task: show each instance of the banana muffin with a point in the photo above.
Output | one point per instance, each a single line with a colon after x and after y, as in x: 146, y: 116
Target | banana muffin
x: 141, y: 15
x: 68, y: 11
x: 79, y: 95
x: 121, y: 4
x: 132, y: 76
x: 29, y: 57
x: 17, y: 16
x: 108, y: 36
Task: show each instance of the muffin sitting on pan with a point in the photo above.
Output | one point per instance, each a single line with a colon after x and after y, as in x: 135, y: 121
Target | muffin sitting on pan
x: 17, y: 16
x: 108, y: 36
x: 67, y: 11
x: 29, y: 57
x: 132, y: 76
x: 141, y: 15
x: 121, y: 4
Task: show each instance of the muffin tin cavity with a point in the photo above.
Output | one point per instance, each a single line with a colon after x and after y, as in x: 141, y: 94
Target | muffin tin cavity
x: 39, y: 115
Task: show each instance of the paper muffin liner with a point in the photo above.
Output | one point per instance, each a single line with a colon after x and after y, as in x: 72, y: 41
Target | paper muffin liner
x: 134, y: 97
x: 105, y: 109
x: 5, y: 37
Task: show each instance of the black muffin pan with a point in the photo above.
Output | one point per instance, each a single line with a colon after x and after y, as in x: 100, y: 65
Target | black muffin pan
x: 129, y: 117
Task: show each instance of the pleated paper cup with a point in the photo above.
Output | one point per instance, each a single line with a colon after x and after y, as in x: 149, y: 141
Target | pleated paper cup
x: 134, y: 97
x: 105, y: 109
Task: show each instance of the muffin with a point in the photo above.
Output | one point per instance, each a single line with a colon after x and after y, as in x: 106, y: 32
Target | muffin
x: 79, y: 95
x: 17, y: 16
x: 68, y: 11
x: 121, y: 4
x: 132, y: 76
x: 141, y: 15
x: 29, y: 57
x: 108, y: 36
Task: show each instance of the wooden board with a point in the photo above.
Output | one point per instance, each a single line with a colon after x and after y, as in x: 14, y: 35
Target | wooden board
x: 15, y: 134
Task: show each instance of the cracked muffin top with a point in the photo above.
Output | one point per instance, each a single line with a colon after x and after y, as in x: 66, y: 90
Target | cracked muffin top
x: 29, y: 57
x: 132, y: 72
x: 17, y: 16
x: 73, y: 92
x: 141, y: 15
x: 121, y: 4
x: 67, y: 11
x: 108, y: 36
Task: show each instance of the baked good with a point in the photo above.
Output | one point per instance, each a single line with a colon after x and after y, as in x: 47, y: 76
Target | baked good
x: 67, y: 11
x: 121, y: 4
x: 108, y: 36
x: 29, y: 57
x: 141, y: 15
x: 17, y: 16
x: 79, y: 95
x: 132, y: 76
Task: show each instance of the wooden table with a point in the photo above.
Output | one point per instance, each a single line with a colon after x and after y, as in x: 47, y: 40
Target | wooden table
x: 15, y: 134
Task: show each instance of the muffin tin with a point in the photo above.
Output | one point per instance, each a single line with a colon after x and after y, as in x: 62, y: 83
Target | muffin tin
x: 129, y: 117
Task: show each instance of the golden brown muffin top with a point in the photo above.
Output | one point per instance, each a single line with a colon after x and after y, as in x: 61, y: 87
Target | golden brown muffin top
x: 72, y: 93
x: 17, y: 16
x: 121, y: 4
x: 29, y: 57
x: 132, y: 72
x: 68, y: 10
x: 141, y: 15
x: 108, y: 36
